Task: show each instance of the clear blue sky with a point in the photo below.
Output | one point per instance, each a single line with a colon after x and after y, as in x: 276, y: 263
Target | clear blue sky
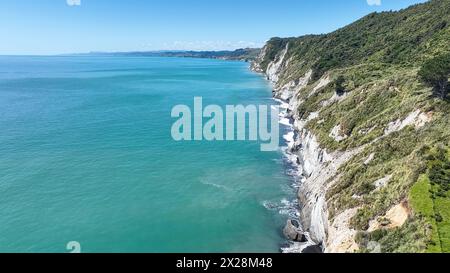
x: 54, y: 26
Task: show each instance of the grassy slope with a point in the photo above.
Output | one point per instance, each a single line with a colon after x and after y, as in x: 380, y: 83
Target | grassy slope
x: 442, y: 206
x: 379, y: 57
x: 422, y: 203
x: 430, y: 198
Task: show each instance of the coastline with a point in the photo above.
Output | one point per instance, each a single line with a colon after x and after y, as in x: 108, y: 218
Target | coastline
x: 298, y: 238
x: 315, y: 166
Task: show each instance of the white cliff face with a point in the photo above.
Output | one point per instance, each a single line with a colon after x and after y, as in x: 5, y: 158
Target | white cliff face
x: 256, y: 65
x: 312, y: 156
x: 286, y: 92
x: 336, y: 134
x: 317, y: 167
x: 416, y: 118
x: 320, y: 169
x: 319, y: 220
x: 290, y: 90
x: 340, y: 235
x: 324, y: 81
x: 274, y: 68
x: 307, y: 151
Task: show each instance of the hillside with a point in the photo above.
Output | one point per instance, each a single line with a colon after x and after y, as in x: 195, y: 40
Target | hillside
x: 372, y: 141
x: 243, y: 54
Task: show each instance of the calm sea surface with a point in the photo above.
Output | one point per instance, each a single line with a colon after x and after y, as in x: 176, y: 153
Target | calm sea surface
x: 86, y: 155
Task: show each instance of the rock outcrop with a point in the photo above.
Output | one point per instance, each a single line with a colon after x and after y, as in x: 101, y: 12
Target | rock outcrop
x: 294, y: 232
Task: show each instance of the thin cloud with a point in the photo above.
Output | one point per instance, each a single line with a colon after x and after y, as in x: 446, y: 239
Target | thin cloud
x: 73, y: 2
x: 374, y: 2
x: 206, y: 45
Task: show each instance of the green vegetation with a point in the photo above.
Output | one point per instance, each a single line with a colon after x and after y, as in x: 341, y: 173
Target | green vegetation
x: 442, y: 205
x: 423, y: 204
x: 382, y: 70
x: 436, y: 72
x: 410, y: 238
x: 430, y: 197
x: 339, y: 85
x: 405, y: 38
x: 273, y: 48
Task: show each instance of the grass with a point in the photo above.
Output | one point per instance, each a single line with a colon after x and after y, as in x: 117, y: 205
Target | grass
x: 423, y: 204
x: 442, y: 206
x: 411, y: 237
x: 371, y: 103
x: 406, y: 156
x: 430, y: 198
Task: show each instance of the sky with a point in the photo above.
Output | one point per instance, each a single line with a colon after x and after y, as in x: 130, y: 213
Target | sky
x: 45, y: 27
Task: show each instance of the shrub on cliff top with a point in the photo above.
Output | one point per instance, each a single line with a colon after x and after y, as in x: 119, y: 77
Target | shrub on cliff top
x: 339, y: 85
x: 436, y: 72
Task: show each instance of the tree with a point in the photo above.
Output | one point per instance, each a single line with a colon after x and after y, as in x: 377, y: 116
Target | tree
x: 339, y: 85
x: 436, y: 72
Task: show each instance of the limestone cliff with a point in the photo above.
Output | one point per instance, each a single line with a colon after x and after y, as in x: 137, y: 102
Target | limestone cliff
x: 363, y: 122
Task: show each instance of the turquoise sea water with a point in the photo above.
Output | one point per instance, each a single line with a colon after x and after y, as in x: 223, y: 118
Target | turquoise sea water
x: 86, y: 155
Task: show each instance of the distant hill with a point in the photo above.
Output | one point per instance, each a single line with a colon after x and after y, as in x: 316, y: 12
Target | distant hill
x: 243, y: 54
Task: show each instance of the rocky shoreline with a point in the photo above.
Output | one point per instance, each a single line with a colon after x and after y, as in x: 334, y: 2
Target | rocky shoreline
x: 314, y: 168
x: 297, y: 231
x: 300, y: 240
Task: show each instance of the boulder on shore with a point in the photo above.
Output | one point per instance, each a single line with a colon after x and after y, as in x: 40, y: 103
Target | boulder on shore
x: 293, y: 231
x: 315, y: 249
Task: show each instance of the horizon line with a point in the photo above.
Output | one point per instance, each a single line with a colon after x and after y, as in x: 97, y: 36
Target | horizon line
x: 125, y: 52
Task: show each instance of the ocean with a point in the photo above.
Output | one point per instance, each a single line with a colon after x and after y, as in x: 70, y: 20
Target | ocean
x: 86, y: 156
